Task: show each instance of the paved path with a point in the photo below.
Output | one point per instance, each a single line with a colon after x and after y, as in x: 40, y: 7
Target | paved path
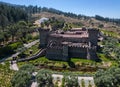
x: 34, y: 84
x: 14, y: 66
x: 25, y: 45
x: 31, y: 44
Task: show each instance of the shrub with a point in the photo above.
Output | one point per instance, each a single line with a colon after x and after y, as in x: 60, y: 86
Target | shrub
x: 28, y: 68
x: 22, y: 55
x: 36, y: 37
x: 71, y: 81
x: 83, y: 83
x: 16, y: 45
x: 23, y: 78
x: 29, y: 37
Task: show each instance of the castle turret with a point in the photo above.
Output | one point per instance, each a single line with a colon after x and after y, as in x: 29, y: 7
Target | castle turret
x: 91, y: 53
x: 43, y: 37
x: 93, y: 36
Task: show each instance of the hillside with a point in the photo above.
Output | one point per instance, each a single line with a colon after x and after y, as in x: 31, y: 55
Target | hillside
x: 89, y: 22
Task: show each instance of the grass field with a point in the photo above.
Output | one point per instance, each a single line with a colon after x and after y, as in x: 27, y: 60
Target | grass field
x: 110, y: 33
x: 5, y: 75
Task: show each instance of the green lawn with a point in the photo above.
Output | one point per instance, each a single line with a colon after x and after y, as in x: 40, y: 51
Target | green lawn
x: 34, y: 49
x: 75, y: 60
x: 43, y: 60
x: 83, y: 64
x: 107, y: 60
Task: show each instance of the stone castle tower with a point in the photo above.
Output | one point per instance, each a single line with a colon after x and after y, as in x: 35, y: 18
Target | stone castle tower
x: 76, y: 43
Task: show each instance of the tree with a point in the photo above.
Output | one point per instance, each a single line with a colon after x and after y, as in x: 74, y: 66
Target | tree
x: 9, y: 15
x: 3, y: 21
x: 13, y: 30
x: 44, y: 78
x: 46, y: 23
x: 28, y: 68
x: 100, y: 25
x: 21, y: 79
x: 111, y: 47
x: 42, y: 25
x: 99, y: 17
x: 55, y: 24
x: 71, y: 81
x: 6, y: 35
x: 108, y: 78
x: 23, y: 29
x: 66, y: 27
x: 1, y: 37
x: 63, y: 82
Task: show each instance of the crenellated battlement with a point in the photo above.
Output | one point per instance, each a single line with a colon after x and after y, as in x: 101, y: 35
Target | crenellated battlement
x: 41, y: 29
x: 79, y: 46
x: 55, y: 47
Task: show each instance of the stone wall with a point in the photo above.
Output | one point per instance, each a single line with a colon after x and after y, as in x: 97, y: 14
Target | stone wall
x: 56, y: 53
x: 77, y: 52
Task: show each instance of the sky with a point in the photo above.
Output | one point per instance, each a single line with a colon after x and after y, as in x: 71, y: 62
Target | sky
x: 105, y: 8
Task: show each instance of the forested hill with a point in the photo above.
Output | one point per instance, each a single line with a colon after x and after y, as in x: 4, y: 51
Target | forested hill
x: 11, y: 14
x: 11, y: 10
x: 35, y: 9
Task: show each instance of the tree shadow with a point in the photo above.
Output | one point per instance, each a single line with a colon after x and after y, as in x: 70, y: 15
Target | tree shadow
x: 71, y: 64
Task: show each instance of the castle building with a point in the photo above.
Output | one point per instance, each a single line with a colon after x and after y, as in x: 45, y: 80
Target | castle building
x: 75, y: 43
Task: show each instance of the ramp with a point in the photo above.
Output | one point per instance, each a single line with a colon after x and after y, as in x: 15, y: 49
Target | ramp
x: 39, y: 54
